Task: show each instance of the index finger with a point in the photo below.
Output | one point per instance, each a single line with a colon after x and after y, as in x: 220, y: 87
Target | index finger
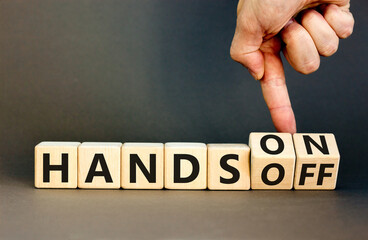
x: 276, y: 94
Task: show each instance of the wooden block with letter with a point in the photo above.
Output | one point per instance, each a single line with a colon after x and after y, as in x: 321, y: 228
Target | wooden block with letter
x: 317, y: 161
x: 185, y: 166
x: 228, y: 166
x: 99, y: 165
x: 142, y: 166
x: 272, y: 160
x: 56, y: 165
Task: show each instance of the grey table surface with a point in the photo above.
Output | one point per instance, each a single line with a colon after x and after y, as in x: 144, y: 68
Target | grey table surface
x: 160, y: 71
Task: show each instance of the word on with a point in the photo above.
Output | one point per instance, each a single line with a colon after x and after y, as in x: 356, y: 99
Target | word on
x: 271, y: 161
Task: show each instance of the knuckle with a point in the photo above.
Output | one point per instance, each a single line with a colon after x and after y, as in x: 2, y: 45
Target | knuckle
x: 332, y: 13
x: 332, y: 8
x: 293, y: 35
x: 274, y: 81
x: 309, y: 16
x: 241, y: 21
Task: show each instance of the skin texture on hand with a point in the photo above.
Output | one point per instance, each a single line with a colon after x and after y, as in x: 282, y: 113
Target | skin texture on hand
x: 265, y: 28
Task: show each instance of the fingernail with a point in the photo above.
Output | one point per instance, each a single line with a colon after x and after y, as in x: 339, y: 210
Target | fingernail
x: 254, y: 75
x: 288, y: 23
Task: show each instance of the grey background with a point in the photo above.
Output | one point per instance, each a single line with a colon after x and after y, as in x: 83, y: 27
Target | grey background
x: 160, y: 71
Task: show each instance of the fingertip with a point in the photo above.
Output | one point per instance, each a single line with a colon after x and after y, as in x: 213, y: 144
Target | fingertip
x: 284, y: 120
x: 340, y: 19
x: 255, y: 75
x: 253, y: 61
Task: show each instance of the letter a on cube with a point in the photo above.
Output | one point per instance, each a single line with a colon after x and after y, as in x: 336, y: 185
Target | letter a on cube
x: 99, y: 165
x: 272, y: 160
x: 317, y: 161
x: 56, y: 165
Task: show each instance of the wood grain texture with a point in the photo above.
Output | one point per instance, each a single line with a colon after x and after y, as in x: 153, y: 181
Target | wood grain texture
x: 54, y: 152
x: 111, y: 153
x: 235, y: 156
x: 199, y: 152
x: 315, y: 162
x: 275, y: 160
x: 146, y: 152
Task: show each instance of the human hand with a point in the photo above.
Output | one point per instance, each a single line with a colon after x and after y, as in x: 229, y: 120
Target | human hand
x: 261, y: 28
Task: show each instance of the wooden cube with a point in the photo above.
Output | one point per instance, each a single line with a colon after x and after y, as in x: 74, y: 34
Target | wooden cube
x: 272, y: 160
x: 99, y: 165
x: 228, y: 166
x: 185, y: 166
x: 317, y: 161
x: 142, y: 166
x: 56, y: 165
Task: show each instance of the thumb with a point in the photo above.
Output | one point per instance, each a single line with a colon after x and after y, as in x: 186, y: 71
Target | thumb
x: 253, y: 61
x: 245, y: 47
